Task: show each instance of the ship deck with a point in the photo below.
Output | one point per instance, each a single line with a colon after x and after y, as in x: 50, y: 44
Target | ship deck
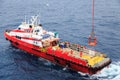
x: 93, y: 58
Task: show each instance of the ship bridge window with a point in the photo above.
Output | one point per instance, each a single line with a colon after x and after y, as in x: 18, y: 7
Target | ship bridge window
x: 30, y: 26
x: 19, y: 28
x: 27, y: 31
x: 37, y: 30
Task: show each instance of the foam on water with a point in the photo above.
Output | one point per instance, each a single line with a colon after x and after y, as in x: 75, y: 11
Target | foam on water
x: 110, y: 72
x: 116, y: 78
x: 45, y: 62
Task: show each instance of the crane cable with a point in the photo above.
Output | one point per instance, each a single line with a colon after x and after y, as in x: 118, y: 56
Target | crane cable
x: 92, y: 38
x: 92, y: 15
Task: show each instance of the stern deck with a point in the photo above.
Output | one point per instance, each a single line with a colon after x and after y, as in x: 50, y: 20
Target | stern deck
x: 93, y: 58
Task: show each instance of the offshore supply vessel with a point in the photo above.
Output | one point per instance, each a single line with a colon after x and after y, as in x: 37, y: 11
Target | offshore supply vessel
x: 32, y: 38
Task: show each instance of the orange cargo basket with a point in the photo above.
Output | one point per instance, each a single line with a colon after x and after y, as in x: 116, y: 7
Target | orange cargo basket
x: 92, y: 41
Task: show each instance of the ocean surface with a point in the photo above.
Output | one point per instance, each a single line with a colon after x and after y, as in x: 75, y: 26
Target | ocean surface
x: 72, y: 20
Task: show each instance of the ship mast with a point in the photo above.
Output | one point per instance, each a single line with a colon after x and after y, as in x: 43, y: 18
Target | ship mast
x: 34, y: 20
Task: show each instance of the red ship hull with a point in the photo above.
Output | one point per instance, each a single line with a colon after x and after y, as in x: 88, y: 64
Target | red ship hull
x: 35, y: 50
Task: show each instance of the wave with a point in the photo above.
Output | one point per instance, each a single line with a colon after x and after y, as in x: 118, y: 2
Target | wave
x: 109, y: 73
x: 112, y: 72
x: 45, y: 62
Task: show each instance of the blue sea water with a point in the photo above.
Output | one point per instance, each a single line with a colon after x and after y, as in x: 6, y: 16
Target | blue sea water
x: 72, y: 20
